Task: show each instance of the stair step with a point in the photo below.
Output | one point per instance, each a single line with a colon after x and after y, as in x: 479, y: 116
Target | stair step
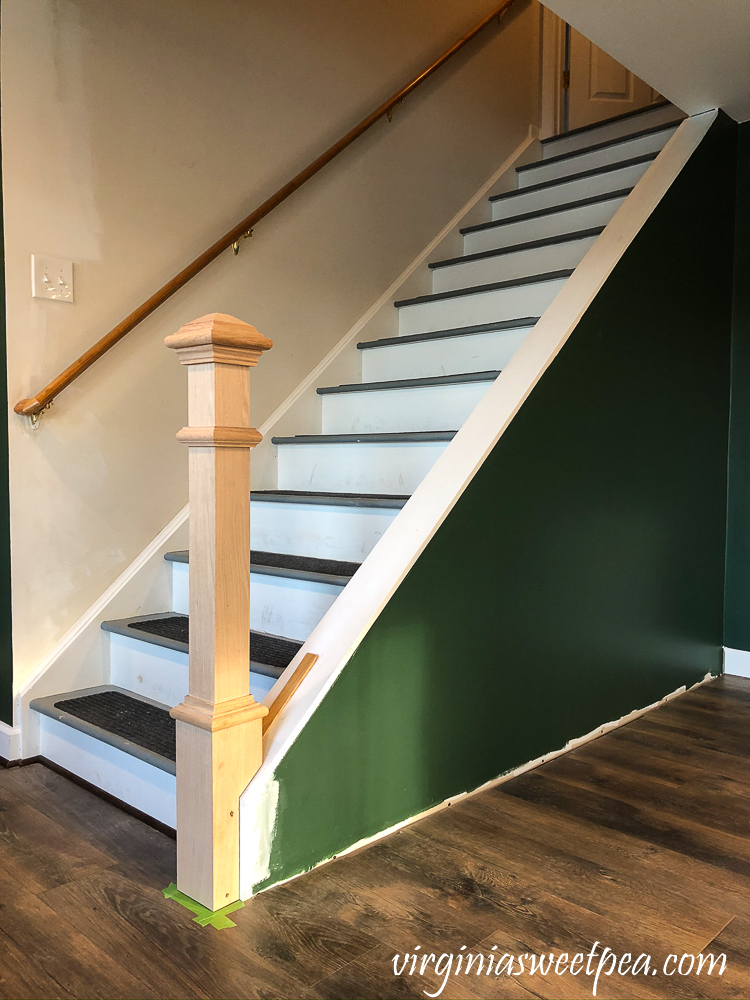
x: 372, y: 500
x: 128, y: 722
x: 546, y: 241
x: 296, y: 567
x: 583, y: 175
x: 269, y: 654
x: 410, y: 383
x: 549, y: 210
x: 616, y: 126
x: 461, y: 331
x: 408, y: 437
x: 598, y: 155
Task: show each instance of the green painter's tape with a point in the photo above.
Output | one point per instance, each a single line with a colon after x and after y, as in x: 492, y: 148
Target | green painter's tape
x: 204, y: 916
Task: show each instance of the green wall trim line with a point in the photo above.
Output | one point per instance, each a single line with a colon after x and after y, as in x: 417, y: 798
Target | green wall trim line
x: 579, y: 577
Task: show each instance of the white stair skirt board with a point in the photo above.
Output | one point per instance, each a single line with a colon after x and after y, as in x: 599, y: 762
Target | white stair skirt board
x: 160, y: 673
x: 341, y: 631
x: 479, y: 307
x: 430, y: 408
x: 572, y: 220
x: 736, y: 662
x: 129, y: 779
x: 565, y: 191
x: 319, y: 530
x: 648, y: 118
x: 480, y: 352
x: 623, y: 150
x: 357, y: 468
x: 10, y: 742
x: 506, y: 267
x: 280, y: 605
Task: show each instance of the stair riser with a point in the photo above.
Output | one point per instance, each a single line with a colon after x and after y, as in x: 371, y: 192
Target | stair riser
x: 522, y: 264
x: 129, y: 779
x: 649, y: 119
x: 347, y: 533
x: 574, y: 220
x: 448, y: 356
x: 159, y: 673
x: 480, y: 307
x: 278, y: 604
x: 598, y: 158
x: 432, y: 408
x: 357, y: 468
x: 560, y: 194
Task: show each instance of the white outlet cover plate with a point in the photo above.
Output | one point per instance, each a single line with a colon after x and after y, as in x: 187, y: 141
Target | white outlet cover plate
x: 51, y: 278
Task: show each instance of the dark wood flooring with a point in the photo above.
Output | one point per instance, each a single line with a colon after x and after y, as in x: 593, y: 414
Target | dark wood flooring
x: 637, y: 840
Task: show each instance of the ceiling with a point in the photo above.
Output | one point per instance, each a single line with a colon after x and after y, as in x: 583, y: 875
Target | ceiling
x: 694, y: 52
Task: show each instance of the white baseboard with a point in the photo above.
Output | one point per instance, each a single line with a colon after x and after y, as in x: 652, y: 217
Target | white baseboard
x: 10, y: 742
x: 736, y: 662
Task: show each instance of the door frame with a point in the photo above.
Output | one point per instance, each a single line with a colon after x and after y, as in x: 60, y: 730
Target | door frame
x: 552, y: 110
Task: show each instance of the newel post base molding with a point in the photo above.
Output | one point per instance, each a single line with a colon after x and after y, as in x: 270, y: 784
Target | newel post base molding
x: 219, y: 724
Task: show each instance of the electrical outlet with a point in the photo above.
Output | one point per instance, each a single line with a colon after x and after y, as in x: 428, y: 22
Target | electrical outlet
x: 51, y: 278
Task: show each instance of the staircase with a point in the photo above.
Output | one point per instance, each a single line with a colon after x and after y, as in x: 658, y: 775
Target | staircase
x: 338, y: 491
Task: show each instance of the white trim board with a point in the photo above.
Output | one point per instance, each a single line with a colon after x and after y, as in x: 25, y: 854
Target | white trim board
x: 342, y: 629
x: 10, y: 742
x: 79, y: 658
x: 736, y: 662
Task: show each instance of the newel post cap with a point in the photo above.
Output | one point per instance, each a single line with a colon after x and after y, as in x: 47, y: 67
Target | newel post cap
x: 218, y: 337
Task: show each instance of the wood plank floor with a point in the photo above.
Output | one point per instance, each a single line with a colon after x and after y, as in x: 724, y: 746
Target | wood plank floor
x: 637, y: 840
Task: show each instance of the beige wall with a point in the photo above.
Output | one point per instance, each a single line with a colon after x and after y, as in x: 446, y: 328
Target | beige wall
x: 137, y: 131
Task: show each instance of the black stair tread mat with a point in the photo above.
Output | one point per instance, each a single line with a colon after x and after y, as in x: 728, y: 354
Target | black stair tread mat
x: 384, y: 437
x: 608, y: 121
x: 410, y: 383
x: 547, y: 241
x: 550, y: 210
x: 595, y: 147
x: 493, y: 286
x: 458, y: 331
x: 608, y: 168
x: 283, y: 560
x: 127, y: 718
x: 390, y: 500
x: 273, y: 650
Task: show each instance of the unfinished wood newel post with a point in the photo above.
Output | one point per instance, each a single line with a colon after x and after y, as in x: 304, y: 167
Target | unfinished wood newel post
x: 219, y: 724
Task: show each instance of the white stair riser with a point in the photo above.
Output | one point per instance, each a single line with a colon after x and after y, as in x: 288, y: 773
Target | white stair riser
x: 479, y: 307
x: 648, y: 119
x: 429, y: 408
x: 481, y: 352
x: 560, y: 194
x: 128, y: 778
x: 555, y: 224
x: 357, y: 468
x: 521, y: 264
x: 597, y: 158
x: 278, y: 604
x: 318, y: 530
x: 160, y: 673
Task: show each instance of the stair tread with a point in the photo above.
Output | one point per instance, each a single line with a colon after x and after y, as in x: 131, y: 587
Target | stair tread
x: 494, y: 286
x: 460, y: 331
x: 411, y: 383
x: 284, y: 560
x: 552, y: 210
x: 390, y: 437
x: 606, y: 168
x: 389, y: 501
x: 608, y: 121
x: 547, y: 241
x: 595, y: 147
x: 136, y: 725
x: 269, y: 654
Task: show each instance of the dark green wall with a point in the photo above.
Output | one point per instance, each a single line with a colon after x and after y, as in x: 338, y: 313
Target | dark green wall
x: 6, y: 637
x: 579, y: 577
x: 737, y: 605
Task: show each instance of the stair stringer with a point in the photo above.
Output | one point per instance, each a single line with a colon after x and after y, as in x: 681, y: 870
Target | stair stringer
x: 343, y: 628
x: 80, y: 658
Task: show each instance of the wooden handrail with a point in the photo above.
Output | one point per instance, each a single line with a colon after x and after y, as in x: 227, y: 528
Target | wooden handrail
x: 35, y: 404
x: 303, y: 668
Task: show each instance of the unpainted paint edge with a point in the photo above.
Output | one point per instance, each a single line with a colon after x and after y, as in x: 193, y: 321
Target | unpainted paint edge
x: 573, y: 744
